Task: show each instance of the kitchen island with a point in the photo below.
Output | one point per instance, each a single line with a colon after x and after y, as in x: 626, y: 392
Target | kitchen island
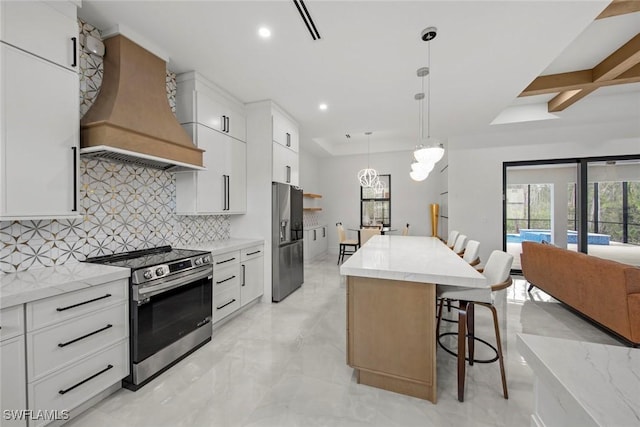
x: 391, y: 310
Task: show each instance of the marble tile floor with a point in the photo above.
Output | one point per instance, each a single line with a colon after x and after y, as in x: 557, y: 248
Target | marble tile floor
x: 284, y: 365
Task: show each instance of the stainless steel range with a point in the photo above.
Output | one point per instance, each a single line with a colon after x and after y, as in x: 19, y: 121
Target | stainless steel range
x: 170, y: 304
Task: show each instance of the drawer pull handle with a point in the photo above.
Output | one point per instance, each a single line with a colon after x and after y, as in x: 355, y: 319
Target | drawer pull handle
x: 85, y: 380
x: 226, y: 260
x: 224, y: 305
x: 226, y: 280
x: 64, y: 344
x: 253, y: 253
x: 244, y: 274
x: 82, y: 303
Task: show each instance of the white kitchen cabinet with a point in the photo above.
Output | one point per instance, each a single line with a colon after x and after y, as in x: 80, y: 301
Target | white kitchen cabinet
x: 285, y: 132
x: 285, y: 165
x: 39, y: 116
x: 48, y: 30
x: 221, y: 189
x: 217, y: 124
x: 226, y: 284
x: 12, y: 363
x: 315, y: 242
x: 201, y: 101
x: 77, y: 346
x: 252, y: 272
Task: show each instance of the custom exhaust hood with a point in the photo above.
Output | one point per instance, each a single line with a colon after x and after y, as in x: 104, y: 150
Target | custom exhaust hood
x: 131, y: 120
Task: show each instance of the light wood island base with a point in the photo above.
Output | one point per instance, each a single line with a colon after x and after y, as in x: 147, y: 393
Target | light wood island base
x: 391, y: 335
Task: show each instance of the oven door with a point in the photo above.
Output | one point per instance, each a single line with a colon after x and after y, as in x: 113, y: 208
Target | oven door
x: 164, y: 312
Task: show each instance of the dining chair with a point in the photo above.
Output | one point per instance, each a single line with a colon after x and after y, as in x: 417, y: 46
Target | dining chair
x: 405, y: 230
x: 497, y: 272
x: 347, y: 247
x: 451, y: 240
x: 472, y: 253
x: 367, y: 233
x: 461, y: 243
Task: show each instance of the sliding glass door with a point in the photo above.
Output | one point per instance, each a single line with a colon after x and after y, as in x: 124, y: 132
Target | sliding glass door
x: 613, y: 210
x: 539, y: 206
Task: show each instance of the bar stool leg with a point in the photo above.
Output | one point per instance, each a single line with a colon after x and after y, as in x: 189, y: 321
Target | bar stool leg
x: 462, y: 323
x: 470, y: 331
x: 499, y: 347
x: 439, y: 318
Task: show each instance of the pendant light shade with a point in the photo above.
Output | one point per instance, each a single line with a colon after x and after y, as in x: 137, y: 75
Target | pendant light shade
x: 368, y: 177
x: 430, y: 152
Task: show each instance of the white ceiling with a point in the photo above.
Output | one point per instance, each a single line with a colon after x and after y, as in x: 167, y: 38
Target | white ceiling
x: 364, y: 67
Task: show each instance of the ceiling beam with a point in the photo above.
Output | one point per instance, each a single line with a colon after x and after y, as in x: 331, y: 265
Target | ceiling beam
x: 622, y: 66
x: 567, y: 98
x: 619, y: 61
x: 620, y: 7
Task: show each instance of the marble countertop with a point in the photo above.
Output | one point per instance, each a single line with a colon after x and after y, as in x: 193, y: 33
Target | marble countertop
x: 412, y: 259
x: 31, y: 285
x: 221, y: 246
x: 603, y: 379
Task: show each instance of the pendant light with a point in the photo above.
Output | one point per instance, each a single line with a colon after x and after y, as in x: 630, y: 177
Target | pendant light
x: 368, y: 177
x: 429, y: 150
x: 420, y: 171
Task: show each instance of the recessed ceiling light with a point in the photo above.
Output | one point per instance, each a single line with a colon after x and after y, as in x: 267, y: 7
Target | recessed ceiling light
x: 264, y: 32
x: 323, y: 106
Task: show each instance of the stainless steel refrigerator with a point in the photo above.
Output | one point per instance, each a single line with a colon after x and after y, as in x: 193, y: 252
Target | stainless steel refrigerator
x: 286, y: 223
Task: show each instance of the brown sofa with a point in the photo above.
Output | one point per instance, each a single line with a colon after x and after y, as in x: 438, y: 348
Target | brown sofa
x: 607, y: 292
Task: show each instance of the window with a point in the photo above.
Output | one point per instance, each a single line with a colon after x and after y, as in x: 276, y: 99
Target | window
x: 375, y: 207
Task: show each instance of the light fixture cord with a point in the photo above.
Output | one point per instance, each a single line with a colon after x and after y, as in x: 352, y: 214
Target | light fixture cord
x: 368, y: 150
x: 421, y: 118
x: 428, y: 90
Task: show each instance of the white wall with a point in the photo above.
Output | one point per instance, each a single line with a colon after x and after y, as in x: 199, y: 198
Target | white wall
x: 341, y: 192
x: 475, y: 174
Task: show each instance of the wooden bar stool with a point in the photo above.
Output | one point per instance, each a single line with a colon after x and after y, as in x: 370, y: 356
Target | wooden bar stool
x: 497, y: 273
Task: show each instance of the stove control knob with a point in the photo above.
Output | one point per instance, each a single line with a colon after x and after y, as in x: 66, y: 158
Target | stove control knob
x: 148, y: 274
x: 206, y: 260
x: 198, y: 261
x: 159, y: 271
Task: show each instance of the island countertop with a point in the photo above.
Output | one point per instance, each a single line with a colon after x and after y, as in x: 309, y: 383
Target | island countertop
x: 413, y: 259
x: 583, y: 383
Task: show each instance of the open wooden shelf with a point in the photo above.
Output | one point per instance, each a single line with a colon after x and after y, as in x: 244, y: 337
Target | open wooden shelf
x: 312, y: 195
x: 312, y: 209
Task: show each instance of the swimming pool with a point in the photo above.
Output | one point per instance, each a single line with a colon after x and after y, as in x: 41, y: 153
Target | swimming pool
x: 532, y: 235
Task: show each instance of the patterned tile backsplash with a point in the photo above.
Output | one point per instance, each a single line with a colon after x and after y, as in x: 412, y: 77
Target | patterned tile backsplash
x: 123, y: 207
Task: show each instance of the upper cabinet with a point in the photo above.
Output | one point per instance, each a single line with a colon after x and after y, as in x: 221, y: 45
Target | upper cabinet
x: 39, y: 110
x: 217, y: 124
x: 285, y: 131
x: 48, y: 30
x: 200, y: 101
x: 286, y: 144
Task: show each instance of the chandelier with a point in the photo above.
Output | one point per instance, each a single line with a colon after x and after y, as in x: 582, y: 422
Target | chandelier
x: 368, y: 177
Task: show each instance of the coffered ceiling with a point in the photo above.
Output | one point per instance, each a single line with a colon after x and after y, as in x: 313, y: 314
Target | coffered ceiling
x: 364, y: 65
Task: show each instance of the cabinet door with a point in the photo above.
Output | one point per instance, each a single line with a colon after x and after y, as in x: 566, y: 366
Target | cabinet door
x: 40, y: 136
x: 285, y: 165
x: 210, y: 112
x: 45, y: 29
x: 252, y: 284
x: 237, y: 124
x: 14, y: 381
x: 285, y: 132
x: 237, y: 181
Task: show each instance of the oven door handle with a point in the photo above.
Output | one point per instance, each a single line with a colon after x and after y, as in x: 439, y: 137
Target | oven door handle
x: 141, y: 294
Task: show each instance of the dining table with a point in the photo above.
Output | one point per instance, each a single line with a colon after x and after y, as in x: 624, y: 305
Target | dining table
x: 391, y: 310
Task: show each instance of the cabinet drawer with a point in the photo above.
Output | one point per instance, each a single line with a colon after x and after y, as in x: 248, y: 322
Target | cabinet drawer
x: 226, y: 303
x: 68, y: 388
x: 226, y: 259
x: 11, y: 322
x: 67, y: 342
x: 252, y: 252
x: 226, y: 279
x: 56, y: 309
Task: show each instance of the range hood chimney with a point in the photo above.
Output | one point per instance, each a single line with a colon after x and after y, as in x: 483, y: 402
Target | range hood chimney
x: 131, y: 120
